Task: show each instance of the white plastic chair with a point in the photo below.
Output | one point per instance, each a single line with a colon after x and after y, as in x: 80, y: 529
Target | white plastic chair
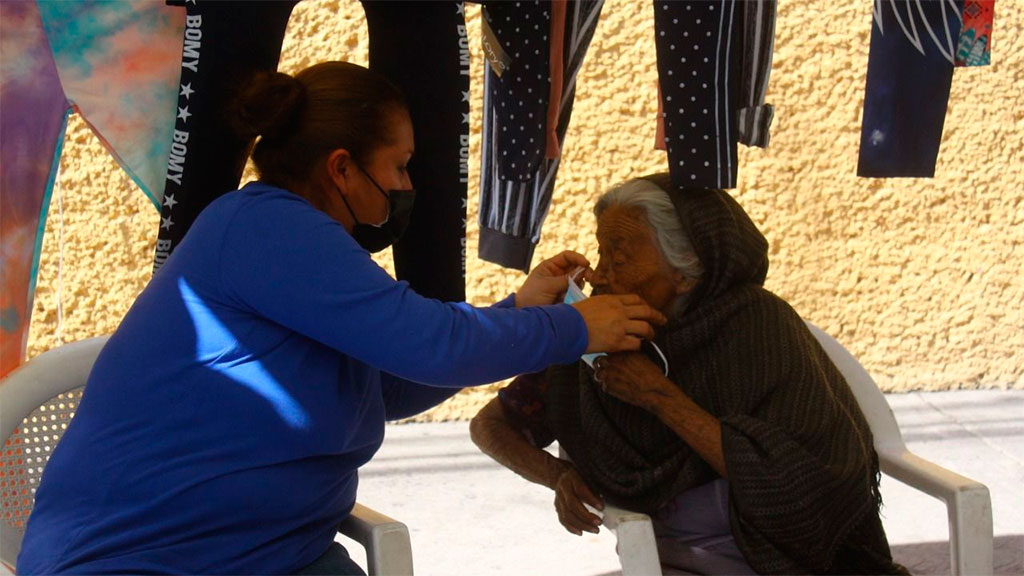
x: 36, y: 403
x: 969, y: 506
x: 634, y: 533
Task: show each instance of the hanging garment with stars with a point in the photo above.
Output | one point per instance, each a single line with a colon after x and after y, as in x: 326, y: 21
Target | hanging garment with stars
x: 714, y: 62
x: 116, y: 64
x: 534, y: 52
x: 422, y: 47
x: 910, y: 69
x: 223, y: 44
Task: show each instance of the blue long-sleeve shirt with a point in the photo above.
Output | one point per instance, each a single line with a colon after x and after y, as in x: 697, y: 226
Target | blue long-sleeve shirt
x: 223, y: 424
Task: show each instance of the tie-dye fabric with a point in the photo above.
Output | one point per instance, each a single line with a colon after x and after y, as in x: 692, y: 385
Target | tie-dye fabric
x: 115, y: 63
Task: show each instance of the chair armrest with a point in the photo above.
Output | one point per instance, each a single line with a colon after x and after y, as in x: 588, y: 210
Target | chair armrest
x: 386, y: 540
x: 53, y: 372
x: 637, y: 548
x: 968, y: 505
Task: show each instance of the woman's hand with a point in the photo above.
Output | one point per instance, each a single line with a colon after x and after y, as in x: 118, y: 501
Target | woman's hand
x: 632, y: 377
x: 617, y: 322
x: 547, y: 282
x: 571, y: 492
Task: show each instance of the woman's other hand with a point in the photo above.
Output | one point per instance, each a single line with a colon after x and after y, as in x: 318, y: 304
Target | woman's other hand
x: 617, y: 322
x: 632, y: 377
x: 547, y: 282
x: 571, y: 493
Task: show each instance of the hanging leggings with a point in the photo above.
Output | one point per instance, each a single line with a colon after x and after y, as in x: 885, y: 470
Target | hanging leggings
x: 116, y: 64
x: 520, y: 161
x: 224, y: 44
x: 520, y: 93
x: 910, y: 68
x: 714, y: 62
x: 699, y: 44
x: 421, y: 46
x: 753, y: 118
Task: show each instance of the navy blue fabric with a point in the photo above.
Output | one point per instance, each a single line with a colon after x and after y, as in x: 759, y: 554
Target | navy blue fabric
x: 909, y: 76
x: 520, y: 94
x: 513, y: 205
x: 223, y: 424
x: 699, y: 46
x: 334, y: 562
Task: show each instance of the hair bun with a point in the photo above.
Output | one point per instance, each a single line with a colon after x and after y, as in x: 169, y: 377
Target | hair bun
x: 268, y: 105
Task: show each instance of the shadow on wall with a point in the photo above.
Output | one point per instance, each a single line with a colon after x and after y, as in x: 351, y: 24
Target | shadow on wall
x: 928, y: 558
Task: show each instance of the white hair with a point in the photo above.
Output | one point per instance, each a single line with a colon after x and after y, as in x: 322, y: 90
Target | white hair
x: 662, y: 219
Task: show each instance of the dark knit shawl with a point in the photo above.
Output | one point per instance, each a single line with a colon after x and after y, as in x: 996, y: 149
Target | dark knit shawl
x: 802, y: 470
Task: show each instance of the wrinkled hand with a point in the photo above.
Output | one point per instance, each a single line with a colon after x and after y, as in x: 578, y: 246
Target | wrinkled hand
x: 571, y: 492
x: 547, y: 283
x: 632, y: 377
x: 617, y: 322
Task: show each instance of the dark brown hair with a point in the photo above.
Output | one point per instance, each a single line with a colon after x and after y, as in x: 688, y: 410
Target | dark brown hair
x: 301, y: 119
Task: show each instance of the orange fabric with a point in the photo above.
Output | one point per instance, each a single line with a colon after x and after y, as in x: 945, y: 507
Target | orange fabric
x: 555, y: 70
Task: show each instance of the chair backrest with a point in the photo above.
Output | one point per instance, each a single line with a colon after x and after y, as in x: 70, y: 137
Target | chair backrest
x: 37, y: 401
x: 884, y: 428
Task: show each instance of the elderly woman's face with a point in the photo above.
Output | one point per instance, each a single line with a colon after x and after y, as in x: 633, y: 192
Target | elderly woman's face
x: 630, y: 261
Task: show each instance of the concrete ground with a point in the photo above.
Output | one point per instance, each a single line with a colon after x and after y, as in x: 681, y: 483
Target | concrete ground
x: 467, y: 515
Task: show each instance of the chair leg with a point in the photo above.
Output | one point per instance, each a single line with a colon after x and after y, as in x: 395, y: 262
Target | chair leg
x: 970, y: 532
x: 637, y: 547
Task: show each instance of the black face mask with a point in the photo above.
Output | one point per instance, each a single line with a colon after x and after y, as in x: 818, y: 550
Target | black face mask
x: 378, y: 237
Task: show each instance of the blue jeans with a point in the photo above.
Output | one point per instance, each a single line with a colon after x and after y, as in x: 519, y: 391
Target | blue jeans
x: 334, y: 562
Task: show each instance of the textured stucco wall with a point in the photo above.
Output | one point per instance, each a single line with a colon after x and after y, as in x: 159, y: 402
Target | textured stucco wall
x: 921, y: 279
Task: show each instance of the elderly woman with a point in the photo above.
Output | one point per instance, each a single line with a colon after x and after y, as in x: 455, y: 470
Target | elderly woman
x: 751, y: 455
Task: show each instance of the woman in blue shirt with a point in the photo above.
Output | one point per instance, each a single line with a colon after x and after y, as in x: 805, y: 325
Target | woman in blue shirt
x: 223, y: 424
